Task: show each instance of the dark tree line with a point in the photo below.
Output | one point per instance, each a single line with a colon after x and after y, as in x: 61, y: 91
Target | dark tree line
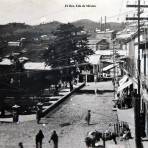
x: 70, y: 47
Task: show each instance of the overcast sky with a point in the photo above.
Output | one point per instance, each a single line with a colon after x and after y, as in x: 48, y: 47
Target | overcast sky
x: 39, y: 11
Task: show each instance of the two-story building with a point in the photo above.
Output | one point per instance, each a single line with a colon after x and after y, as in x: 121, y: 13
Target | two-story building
x: 129, y: 40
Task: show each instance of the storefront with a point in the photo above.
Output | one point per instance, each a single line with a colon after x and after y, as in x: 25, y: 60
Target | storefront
x: 124, y: 92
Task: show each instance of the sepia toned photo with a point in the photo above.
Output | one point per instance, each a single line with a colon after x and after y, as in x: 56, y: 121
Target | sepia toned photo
x: 73, y: 74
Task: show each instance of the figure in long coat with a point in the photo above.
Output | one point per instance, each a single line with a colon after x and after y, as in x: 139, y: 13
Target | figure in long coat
x: 39, y: 139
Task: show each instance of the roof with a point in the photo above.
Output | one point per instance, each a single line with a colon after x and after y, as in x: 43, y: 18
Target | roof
x: 126, y: 36
x: 36, y: 66
x: 110, y: 52
x: 104, y: 52
x: 105, y: 32
x: 6, y: 61
x: 94, y: 59
x: 15, y: 44
x: 103, y: 40
x: 109, y: 67
x: 93, y: 42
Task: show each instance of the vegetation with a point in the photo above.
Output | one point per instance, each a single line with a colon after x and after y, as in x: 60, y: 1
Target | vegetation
x: 68, y: 48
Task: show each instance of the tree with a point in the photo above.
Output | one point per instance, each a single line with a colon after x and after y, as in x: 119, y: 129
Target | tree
x: 70, y: 47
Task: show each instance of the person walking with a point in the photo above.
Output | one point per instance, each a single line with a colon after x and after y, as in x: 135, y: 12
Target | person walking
x: 38, y: 115
x: 20, y: 144
x: 39, y: 139
x: 88, y: 117
x: 54, y: 138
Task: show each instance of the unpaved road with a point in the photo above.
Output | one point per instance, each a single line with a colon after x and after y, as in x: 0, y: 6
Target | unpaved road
x: 67, y: 120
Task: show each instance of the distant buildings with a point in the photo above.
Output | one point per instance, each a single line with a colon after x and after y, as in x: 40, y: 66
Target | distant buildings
x: 102, y: 45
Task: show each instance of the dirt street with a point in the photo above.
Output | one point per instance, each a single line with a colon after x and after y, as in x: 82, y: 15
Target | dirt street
x: 67, y: 120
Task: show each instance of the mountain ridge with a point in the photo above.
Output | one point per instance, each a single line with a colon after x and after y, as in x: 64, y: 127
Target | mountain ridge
x: 22, y: 29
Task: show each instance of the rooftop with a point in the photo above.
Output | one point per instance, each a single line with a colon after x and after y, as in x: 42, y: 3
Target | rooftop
x: 36, y: 66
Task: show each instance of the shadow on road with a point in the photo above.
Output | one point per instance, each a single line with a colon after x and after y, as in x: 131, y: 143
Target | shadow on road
x: 93, y: 91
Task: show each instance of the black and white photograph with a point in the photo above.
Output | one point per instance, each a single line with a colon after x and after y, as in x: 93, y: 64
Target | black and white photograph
x: 73, y: 74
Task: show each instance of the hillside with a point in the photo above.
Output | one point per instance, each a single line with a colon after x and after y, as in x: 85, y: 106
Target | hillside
x: 88, y: 24
x: 14, y: 31
x: 91, y: 25
x: 48, y: 27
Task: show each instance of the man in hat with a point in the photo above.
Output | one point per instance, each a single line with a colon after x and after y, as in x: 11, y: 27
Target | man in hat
x: 54, y: 138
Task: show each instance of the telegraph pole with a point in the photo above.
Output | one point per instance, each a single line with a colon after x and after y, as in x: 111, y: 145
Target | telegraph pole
x: 138, y: 96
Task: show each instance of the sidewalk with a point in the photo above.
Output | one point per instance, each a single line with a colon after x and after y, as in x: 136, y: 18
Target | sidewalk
x: 127, y: 115
x: 64, y: 94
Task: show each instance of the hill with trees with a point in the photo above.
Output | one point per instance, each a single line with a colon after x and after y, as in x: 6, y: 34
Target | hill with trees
x: 13, y: 31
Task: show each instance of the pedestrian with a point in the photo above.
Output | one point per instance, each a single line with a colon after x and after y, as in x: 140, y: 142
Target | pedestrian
x: 39, y: 139
x: 20, y: 144
x: 88, y: 117
x: 54, y: 138
x: 38, y: 115
x: 15, y: 116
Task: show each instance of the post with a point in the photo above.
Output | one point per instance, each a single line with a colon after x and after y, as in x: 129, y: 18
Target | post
x: 86, y: 79
x: 101, y: 24
x: 114, y: 79
x: 137, y: 119
x: 105, y: 25
x: 103, y: 143
x: 137, y: 97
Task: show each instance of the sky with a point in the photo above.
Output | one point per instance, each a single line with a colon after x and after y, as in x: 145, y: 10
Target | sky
x: 41, y: 11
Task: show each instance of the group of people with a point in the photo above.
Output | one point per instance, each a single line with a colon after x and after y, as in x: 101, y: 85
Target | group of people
x: 39, y: 139
x: 54, y: 137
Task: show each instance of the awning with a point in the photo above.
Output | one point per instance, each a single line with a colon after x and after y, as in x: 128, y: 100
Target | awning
x: 124, y: 85
x: 124, y: 79
x: 109, y: 67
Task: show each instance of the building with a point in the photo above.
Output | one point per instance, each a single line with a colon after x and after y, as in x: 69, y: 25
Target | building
x: 107, y: 36
x: 103, y: 45
x: 129, y: 40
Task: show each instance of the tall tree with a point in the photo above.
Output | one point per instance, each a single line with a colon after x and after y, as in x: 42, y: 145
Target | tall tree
x: 70, y: 47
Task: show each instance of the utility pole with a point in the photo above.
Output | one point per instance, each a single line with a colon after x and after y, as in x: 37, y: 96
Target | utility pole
x: 138, y: 96
x: 114, y: 80
x: 101, y: 24
x: 105, y: 25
